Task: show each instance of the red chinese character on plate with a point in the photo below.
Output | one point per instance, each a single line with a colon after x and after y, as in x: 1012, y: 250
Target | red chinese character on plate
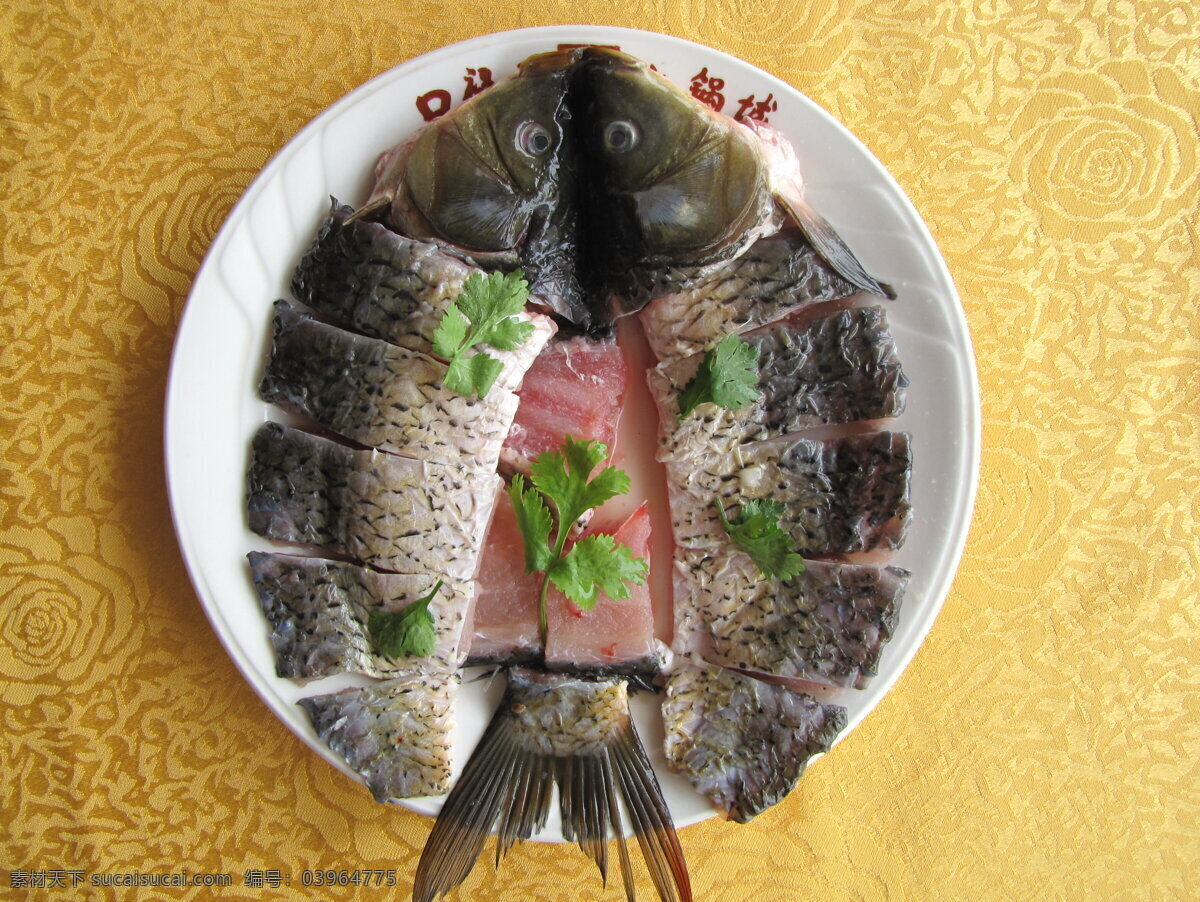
x: 707, y: 89
x: 433, y: 104
x: 750, y: 109
x: 478, y: 80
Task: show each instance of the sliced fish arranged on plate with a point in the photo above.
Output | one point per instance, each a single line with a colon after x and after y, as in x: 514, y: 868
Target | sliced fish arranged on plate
x: 615, y: 192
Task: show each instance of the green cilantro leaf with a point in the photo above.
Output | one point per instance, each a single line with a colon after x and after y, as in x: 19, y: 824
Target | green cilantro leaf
x: 535, y: 523
x: 406, y: 632
x: 562, y: 477
x: 559, y: 482
x: 728, y: 377
x: 756, y: 531
x: 597, y: 564
x: 483, y: 315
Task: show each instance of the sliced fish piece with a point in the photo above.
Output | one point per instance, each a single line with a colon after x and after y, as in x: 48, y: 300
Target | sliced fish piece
x: 375, y: 281
x: 694, y: 309
x: 319, y: 612
x: 390, y: 512
x: 617, y: 636
x: 504, y: 621
x: 739, y: 741
x: 556, y: 730
x: 380, y: 395
x: 826, y: 625
x: 839, y: 495
x: 397, y: 734
x: 837, y: 368
x: 575, y: 387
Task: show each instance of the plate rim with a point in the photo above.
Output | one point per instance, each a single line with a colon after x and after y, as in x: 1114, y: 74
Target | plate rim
x: 971, y: 451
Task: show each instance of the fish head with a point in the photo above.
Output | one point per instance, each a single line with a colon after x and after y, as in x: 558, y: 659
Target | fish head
x: 476, y: 177
x: 687, y: 182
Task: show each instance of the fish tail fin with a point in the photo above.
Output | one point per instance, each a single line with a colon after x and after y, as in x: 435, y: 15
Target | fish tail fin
x: 508, y: 783
x: 829, y: 244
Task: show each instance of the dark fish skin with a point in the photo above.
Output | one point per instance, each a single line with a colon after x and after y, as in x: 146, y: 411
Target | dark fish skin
x: 389, y: 512
x: 828, y: 624
x: 380, y: 395
x: 371, y: 279
x: 741, y: 742
x: 689, y: 309
x: 365, y: 277
x: 396, y: 734
x: 319, y: 610
x: 834, y: 369
x: 565, y: 731
x: 839, y: 495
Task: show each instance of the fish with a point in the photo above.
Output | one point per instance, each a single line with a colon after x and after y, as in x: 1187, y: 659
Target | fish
x: 503, y: 625
x: 575, y: 387
x: 383, y: 396
x: 839, y: 495
x: 318, y: 610
x: 595, y: 172
x: 741, y: 742
x: 614, y: 637
x: 396, y: 734
x: 365, y: 277
x: 692, y: 308
x: 392, y: 513
x: 827, y: 625
x: 617, y: 193
x: 565, y: 731
x: 834, y: 369
x: 491, y: 181
x: 674, y: 182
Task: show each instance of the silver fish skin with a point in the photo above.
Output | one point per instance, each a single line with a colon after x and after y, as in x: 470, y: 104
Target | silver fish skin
x: 839, y: 495
x: 319, y: 610
x: 828, y: 624
x: 366, y: 277
x: 838, y: 368
x: 566, y: 731
x: 377, y: 394
x: 691, y: 309
x: 389, y: 512
x: 396, y: 734
x: 739, y: 741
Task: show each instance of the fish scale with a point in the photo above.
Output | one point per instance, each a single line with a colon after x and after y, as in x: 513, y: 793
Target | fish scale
x: 839, y: 495
x: 694, y: 308
x: 742, y: 742
x: 368, y: 278
x: 837, y: 368
x: 381, y: 395
x: 319, y: 610
x: 396, y: 734
x: 828, y: 624
x: 389, y: 512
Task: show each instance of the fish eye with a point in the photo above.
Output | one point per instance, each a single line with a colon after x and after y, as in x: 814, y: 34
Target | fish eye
x: 620, y: 136
x: 533, y: 139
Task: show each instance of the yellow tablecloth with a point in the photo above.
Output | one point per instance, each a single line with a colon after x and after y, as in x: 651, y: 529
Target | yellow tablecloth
x: 1044, y: 742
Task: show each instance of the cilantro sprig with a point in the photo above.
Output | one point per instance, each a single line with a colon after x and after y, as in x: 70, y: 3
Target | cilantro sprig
x: 483, y: 314
x: 728, y: 376
x: 756, y: 531
x: 407, y: 632
x: 559, y: 493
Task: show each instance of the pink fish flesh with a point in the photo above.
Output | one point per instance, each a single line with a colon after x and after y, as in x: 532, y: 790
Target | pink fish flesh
x: 574, y: 387
x: 616, y: 635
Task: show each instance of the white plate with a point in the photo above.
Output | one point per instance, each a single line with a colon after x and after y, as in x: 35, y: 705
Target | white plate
x: 213, y: 407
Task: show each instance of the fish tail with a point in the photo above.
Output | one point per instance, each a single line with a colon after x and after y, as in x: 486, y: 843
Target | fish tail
x: 508, y: 782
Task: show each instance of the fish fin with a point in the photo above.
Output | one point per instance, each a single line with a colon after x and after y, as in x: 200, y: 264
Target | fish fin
x: 619, y: 832
x: 467, y: 816
x: 378, y: 201
x: 829, y: 244
x: 652, y: 825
